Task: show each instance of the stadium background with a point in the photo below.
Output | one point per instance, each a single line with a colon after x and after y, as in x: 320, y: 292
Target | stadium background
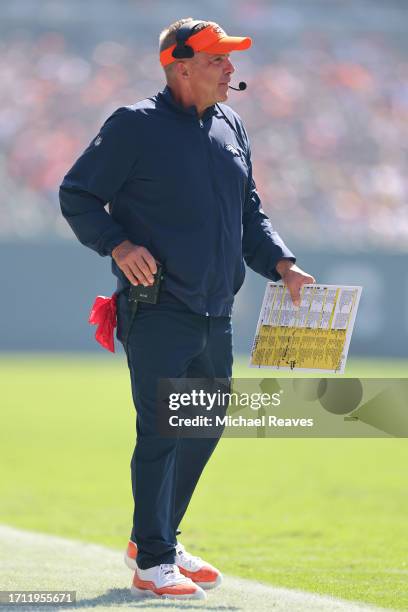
x: 326, y: 109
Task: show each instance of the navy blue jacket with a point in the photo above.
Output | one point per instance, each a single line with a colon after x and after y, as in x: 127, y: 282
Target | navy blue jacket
x: 183, y: 188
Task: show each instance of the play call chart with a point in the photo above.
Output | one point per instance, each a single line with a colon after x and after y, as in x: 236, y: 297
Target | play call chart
x: 312, y: 337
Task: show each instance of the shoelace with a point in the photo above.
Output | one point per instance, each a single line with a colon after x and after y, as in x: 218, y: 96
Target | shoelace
x: 170, y: 574
x: 189, y: 562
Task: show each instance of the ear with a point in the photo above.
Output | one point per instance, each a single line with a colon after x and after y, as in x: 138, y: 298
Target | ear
x: 182, y: 69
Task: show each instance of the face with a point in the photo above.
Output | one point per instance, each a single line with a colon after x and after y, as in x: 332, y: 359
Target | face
x: 209, y: 76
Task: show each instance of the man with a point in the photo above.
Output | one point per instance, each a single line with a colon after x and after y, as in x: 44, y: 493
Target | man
x: 176, y: 171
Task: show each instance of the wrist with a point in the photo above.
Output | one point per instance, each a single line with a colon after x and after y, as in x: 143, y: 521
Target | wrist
x: 283, y: 266
x: 119, y: 247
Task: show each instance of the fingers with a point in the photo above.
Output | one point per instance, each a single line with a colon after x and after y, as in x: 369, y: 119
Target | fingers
x: 294, y: 282
x: 295, y: 295
x: 149, y: 260
x: 138, y: 264
x: 141, y: 270
x: 129, y: 275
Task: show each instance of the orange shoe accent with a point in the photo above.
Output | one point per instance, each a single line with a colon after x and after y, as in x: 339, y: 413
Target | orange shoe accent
x: 203, y: 575
x: 206, y: 577
x: 177, y: 589
x: 132, y: 550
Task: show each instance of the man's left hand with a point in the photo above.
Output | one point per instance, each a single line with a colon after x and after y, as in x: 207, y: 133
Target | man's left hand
x: 294, y: 278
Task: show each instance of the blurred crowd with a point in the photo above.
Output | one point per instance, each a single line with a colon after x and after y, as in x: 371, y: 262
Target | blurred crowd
x: 327, y: 118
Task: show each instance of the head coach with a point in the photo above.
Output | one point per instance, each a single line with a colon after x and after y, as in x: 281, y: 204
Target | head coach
x: 176, y: 171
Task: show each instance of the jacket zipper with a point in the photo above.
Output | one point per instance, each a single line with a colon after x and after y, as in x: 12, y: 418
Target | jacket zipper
x: 207, y: 153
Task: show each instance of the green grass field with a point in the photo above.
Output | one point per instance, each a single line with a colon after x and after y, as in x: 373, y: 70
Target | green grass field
x: 328, y: 516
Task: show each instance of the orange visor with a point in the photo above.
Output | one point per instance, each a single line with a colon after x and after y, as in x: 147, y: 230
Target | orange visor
x: 211, y: 39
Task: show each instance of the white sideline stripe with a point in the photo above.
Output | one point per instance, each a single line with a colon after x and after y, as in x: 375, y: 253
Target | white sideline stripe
x: 35, y: 561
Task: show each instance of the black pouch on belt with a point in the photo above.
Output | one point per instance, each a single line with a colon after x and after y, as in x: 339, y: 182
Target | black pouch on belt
x: 140, y: 293
x: 150, y: 294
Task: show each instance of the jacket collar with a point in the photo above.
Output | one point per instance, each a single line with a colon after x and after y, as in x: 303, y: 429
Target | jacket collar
x: 167, y: 95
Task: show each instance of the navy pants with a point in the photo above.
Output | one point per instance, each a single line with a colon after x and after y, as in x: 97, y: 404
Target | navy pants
x: 167, y: 340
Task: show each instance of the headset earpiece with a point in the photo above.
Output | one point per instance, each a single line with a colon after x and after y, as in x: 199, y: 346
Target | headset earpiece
x: 183, y: 51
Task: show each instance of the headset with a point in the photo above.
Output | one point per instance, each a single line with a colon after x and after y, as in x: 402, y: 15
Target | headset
x: 183, y: 51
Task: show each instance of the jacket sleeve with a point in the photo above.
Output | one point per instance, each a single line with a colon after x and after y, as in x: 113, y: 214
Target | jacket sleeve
x: 93, y: 181
x: 261, y: 245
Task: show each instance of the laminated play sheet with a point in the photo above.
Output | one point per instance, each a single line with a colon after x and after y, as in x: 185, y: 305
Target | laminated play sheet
x: 314, y: 337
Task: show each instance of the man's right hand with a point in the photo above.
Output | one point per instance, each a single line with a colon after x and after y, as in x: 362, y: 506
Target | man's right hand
x: 136, y: 263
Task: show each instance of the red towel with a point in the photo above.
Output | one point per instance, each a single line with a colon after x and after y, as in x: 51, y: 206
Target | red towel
x: 103, y: 314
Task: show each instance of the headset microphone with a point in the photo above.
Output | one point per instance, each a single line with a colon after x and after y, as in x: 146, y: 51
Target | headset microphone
x: 241, y: 86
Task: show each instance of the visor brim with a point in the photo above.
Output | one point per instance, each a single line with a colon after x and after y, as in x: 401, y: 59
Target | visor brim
x: 229, y: 43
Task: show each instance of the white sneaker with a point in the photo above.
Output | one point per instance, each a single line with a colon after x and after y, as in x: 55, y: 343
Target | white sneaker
x: 202, y: 573
x: 166, y: 582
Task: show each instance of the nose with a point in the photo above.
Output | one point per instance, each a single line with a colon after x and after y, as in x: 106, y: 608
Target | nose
x: 229, y: 66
